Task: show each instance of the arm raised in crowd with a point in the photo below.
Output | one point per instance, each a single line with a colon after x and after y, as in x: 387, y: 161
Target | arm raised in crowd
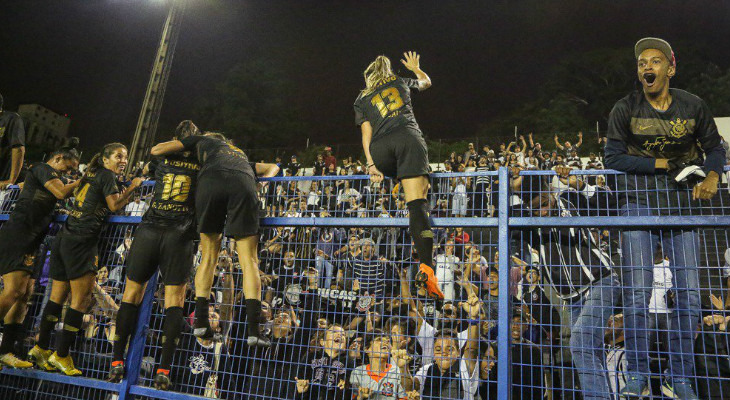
x: 557, y: 143
x: 471, y: 349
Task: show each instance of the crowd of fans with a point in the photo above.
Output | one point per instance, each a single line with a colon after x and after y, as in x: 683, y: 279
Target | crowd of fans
x: 346, y: 322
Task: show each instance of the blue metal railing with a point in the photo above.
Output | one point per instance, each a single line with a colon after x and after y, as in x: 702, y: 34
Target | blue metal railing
x: 504, y: 220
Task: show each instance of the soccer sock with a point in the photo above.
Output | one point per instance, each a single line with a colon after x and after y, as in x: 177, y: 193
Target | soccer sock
x: 51, y: 315
x: 420, y: 230
x: 201, y: 312
x: 253, y: 316
x: 11, y: 333
x: 71, y: 325
x: 126, y: 321
x: 171, y: 329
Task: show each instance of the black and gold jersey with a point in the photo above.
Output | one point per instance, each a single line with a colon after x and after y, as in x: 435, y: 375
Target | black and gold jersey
x: 388, y: 107
x: 34, y: 207
x: 173, y: 201
x: 12, y: 134
x: 86, y: 215
x: 214, y: 154
x: 681, y: 134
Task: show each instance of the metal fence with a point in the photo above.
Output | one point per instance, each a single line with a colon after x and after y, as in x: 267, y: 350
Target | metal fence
x: 578, y: 289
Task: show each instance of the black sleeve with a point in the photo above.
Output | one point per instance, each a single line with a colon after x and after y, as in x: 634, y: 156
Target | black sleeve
x: 44, y: 174
x: 16, y: 132
x: 359, y: 112
x: 410, y: 83
x: 253, y: 167
x: 710, y: 140
x: 191, y: 141
x: 108, y: 183
x: 619, y: 121
x: 616, y: 151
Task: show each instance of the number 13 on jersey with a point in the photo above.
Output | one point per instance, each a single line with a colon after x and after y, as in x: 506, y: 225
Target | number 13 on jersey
x: 387, y: 100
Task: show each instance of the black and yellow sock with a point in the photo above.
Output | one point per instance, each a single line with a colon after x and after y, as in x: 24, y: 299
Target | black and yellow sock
x: 420, y: 229
x: 71, y: 326
x: 11, y: 334
x: 171, y: 329
x: 126, y: 321
x: 51, y: 315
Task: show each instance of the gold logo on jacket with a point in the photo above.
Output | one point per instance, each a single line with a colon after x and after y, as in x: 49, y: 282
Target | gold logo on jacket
x: 679, y: 128
x: 28, y: 260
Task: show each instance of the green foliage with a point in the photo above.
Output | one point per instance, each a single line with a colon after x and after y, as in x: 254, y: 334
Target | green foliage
x: 582, y: 89
x: 254, y: 107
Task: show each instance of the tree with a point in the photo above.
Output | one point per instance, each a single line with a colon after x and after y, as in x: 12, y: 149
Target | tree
x: 254, y: 107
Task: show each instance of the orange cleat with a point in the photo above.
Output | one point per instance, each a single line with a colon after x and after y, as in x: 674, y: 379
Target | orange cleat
x: 426, y: 279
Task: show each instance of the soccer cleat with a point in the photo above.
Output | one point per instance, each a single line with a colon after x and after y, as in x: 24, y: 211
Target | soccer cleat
x: 64, y: 364
x: 116, y: 372
x: 10, y: 360
x: 635, y: 387
x: 426, y: 278
x: 257, y: 341
x: 162, y: 379
x: 678, y: 389
x: 202, y: 330
x: 40, y: 357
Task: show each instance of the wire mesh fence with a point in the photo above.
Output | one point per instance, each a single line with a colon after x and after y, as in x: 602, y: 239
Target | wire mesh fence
x: 586, y: 283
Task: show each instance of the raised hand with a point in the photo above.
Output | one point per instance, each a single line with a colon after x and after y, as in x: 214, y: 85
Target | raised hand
x: 375, y: 175
x: 412, y: 60
x: 363, y: 393
x: 302, y: 385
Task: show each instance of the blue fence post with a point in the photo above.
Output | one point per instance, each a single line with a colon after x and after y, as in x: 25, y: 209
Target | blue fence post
x: 504, y: 362
x: 136, y: 344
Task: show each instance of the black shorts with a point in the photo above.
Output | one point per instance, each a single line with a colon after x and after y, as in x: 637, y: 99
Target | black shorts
x: 169, y: 248
x: 73, y: 257
x: 401, y: 154
x: 18, y: 251
x: 227, y: 202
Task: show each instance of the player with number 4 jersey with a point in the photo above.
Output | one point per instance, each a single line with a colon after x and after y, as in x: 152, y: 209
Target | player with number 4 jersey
x: 394, y: 146
x: 164, y: 240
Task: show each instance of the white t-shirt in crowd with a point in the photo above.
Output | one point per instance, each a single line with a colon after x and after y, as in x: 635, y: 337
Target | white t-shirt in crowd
x: 445, y: 267
x: 662, y: 284
x: 135, y: 209
x: 426, y: 338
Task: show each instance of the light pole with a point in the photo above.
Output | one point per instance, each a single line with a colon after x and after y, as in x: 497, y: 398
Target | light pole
x: 144, y: 134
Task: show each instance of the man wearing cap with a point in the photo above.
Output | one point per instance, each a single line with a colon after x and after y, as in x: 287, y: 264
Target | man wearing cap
x: 652, y: 135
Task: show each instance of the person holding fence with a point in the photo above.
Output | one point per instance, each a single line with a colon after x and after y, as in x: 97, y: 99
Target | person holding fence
x: 164, y: 240
x: 226, y: 202
x: 394, y: 146
x: 653, y: 135
x: 74, y: 255
x: 20, y: 238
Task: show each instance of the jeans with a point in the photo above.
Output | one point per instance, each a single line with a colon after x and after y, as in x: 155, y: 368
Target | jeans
x: 682, y: 247
x: 588, y: 318
x: 326, y: 271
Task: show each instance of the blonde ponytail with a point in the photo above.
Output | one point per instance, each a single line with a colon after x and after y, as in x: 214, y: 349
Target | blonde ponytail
x: 375, y: 73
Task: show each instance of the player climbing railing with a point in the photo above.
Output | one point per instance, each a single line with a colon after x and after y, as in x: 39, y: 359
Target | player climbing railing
x: 334, y: 254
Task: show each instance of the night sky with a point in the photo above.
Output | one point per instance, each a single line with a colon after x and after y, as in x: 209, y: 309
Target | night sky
x: 91, y: 58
